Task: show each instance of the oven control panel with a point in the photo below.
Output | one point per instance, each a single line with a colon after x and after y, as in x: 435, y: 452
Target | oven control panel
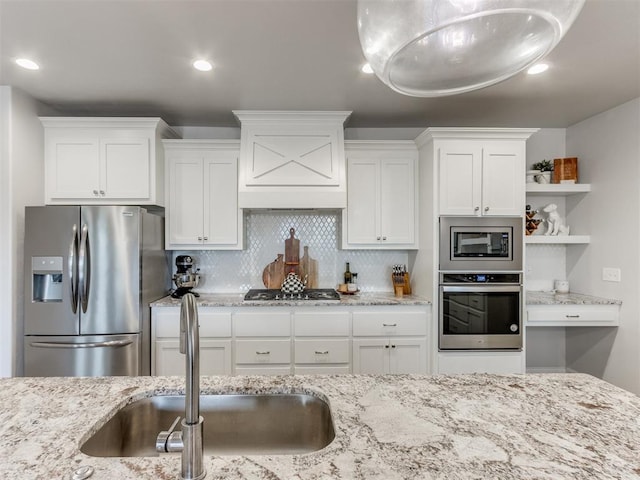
x: 483, y: 278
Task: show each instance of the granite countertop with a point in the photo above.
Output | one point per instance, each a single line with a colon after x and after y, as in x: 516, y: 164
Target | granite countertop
x: 237, y: 300
x: 387, y: 427
x: 552, y: 298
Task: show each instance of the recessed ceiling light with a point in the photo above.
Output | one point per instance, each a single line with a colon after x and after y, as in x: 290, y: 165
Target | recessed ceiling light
x: 538, y: 68
x: 202, y: 65
x: 28, y: 64
x: 366, y: 68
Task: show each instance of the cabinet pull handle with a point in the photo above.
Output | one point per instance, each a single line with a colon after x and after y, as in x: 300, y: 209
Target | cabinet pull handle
x: 476, y: 209
x: 384, y: 238
x: 486, y: 209
x: 393, y: 346
x: 206, y: 238
x: 267, y: 352
x: 572, y: 316
x: 95, y: 192
x: 326, y: 352
x: 386, y: 346
x: 389, y: 324
x: 199, y: 239
x: 377, y: 238
x: 102, y: 192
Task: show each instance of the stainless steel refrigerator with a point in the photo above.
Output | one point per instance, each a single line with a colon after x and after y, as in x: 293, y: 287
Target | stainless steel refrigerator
x: 90, y: 274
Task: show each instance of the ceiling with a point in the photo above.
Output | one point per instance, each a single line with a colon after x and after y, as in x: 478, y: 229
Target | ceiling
x: 133, y: 58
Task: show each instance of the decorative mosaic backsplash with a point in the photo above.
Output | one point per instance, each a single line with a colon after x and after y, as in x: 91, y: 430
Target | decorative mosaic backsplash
x: 238, y: 271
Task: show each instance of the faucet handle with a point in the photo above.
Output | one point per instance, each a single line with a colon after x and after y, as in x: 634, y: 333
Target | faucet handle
x: 169, y: 440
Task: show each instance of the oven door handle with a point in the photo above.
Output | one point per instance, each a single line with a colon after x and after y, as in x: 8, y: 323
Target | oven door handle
x: 481, y: 288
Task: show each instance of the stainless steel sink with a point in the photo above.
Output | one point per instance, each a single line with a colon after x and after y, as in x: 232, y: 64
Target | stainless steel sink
x: 237, y: 424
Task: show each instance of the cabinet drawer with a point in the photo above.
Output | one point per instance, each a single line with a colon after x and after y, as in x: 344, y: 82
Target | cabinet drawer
x: 322, y: 351
x: 321, y: 324
x: 212, y: 324
x: 389, y: 323
x: 263, y: 351
x: 263, y: 370
x: 267, y: 324
x: 573, y: 315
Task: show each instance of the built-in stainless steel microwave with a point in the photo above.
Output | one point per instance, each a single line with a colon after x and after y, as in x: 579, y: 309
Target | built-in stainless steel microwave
x: 471, y: 244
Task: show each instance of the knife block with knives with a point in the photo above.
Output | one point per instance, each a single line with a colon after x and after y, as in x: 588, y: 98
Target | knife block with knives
x: 400, y: 278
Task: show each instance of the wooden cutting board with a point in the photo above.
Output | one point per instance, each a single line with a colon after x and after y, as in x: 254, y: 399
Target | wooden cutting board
x: 292, y: 252
x: 273, y: 274
x: 309, y: 268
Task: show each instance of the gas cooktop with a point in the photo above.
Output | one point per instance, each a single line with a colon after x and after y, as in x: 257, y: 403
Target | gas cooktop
x: 274, y: 294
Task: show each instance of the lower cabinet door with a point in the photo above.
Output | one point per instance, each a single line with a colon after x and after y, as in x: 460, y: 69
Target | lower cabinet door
x: 371, y: 355
x: 407, y: 355
x: 215, y: 357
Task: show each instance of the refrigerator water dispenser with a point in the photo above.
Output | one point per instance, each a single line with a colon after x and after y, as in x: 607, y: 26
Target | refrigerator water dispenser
x: 47, y: 279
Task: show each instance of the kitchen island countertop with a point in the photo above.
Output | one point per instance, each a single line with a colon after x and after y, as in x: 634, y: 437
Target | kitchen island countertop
x: 237, y: 300
x: 387, y: 427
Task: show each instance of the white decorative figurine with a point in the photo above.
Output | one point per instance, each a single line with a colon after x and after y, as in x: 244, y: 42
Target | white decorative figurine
x: 555, y: 225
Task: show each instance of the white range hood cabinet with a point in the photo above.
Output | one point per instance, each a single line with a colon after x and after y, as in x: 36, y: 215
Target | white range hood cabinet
x: 292, y: 159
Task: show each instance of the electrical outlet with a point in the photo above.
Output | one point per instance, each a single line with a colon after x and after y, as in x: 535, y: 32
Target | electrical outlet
x: 611, y: 274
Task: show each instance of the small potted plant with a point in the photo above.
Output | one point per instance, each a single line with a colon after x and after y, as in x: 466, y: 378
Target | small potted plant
x: 543, y: 170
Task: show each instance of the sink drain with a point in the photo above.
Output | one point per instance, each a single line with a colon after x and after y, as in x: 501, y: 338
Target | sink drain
x: 82, y: 473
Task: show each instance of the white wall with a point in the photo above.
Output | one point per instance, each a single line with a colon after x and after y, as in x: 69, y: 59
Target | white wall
x: 21, y: 184
x: 608, y: 150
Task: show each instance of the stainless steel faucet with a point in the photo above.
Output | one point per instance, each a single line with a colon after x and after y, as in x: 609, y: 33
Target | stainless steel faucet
x: 189, y: 441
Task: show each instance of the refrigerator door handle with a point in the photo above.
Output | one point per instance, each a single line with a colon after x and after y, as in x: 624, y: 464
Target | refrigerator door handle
x: 109, y: 343
x: 84, y: 268
x: 73, y: 269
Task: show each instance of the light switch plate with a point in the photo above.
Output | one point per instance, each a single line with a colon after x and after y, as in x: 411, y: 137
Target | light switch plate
x: 611, y: 274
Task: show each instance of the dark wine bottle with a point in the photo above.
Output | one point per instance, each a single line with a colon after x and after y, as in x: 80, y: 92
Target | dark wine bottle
x: 347, y: 274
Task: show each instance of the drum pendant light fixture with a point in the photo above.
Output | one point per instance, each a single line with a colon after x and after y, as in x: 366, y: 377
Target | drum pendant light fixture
x: 433, y: 48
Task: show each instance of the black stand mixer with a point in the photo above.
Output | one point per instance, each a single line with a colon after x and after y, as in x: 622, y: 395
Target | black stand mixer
x: 185, y: 278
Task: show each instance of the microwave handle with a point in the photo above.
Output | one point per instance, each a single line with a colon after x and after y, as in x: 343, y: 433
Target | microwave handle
x: 481, y: 288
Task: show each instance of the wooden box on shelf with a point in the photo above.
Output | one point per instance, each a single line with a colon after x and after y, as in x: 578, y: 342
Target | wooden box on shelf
x: 565, y: 170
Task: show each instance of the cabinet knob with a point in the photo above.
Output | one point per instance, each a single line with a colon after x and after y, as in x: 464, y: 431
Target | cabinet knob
x: 102, y: 192
x: 377, y: 238
x: 206, y: 238
x: 384, y: 238
x: 486, y: 209
x: 199, y: 239
x: 393, y: 346
x: 95, y: 192
x: 476, y: 209
x: 386, y: 346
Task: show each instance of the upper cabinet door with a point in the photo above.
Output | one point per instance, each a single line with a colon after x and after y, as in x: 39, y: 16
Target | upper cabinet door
x: 72, y: 169
x: 221, y: 199
x: 397, y: 200
x: 185, y: 206
x: 125, y: 168
x: 363, y: 201
x: 503, y: 171
x: 460, y: 178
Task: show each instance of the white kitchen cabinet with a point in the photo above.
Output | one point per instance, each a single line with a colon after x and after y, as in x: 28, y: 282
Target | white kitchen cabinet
x: 485, y: 361
x: 215, y: 342
x: 322, y: 341
x: 262, y: 340
x: 202, y: 208
x: 389, y: 341
x: 381, y: 195
x: 478, y: 171
x: 482, y: 178
x: 104, y: 160
x: 389, y: 355
x: 578, y: 315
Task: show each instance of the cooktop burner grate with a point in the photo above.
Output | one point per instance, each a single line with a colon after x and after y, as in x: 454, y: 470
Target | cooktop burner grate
x: 276, y: 294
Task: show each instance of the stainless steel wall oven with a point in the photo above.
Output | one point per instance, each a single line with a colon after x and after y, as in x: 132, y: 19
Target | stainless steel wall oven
x: 480, y: 311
